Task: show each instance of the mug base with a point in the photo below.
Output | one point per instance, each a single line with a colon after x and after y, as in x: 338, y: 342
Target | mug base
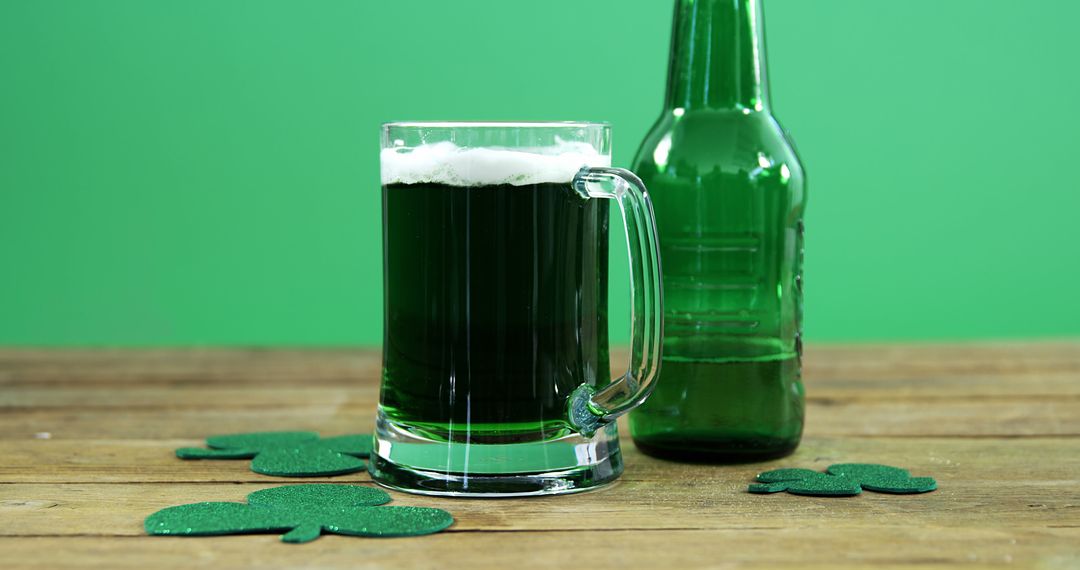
x: 405, y: 460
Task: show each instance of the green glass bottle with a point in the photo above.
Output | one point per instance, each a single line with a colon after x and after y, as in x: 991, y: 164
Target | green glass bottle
x: 728, y: 189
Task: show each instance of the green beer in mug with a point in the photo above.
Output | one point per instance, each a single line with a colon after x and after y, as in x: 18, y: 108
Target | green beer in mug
x: 495, y: 354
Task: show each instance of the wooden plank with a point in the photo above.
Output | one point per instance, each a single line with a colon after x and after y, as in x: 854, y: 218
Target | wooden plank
x: 365, y: 391
x: 971, y: 358
x: 187, y: 367
x: 965, y: 460
x: 349, y: 413
x: 364, y: 394
x: 900, y: 545
x: 101, y: 509
x: 1024, y: 361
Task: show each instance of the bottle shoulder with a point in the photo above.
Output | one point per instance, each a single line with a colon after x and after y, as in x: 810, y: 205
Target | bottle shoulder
x: 707, y: 141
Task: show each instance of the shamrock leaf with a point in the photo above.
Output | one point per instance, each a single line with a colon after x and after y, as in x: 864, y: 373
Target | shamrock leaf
x: 246, y: 445
x: 883, y: 478
x: 287, y: 453
x: 805, y: 482
x: 304, y: 512
x: 842, y: 479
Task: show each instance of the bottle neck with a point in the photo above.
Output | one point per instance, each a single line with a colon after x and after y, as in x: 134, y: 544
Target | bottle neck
x: 717, y: 56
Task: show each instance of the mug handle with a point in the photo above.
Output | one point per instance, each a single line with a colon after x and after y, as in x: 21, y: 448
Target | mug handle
x: 590, y: 409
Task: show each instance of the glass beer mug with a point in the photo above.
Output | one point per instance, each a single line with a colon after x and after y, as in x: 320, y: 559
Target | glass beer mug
x: 495, y: 376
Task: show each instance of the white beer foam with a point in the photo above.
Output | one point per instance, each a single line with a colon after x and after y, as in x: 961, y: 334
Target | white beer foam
x: 447, y: 163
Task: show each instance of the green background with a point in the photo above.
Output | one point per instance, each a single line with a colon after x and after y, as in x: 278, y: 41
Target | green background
x: 205, y: 171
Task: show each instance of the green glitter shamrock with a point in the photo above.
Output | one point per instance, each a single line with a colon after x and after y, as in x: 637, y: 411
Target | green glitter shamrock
x: 287, y: 453
x: 841, y: 480
x: 305, y: 511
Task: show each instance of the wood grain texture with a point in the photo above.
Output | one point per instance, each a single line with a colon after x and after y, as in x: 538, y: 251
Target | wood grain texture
x: 87, y: 436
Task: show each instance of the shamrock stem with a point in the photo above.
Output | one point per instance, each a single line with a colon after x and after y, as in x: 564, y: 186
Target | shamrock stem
x: 302, y: 533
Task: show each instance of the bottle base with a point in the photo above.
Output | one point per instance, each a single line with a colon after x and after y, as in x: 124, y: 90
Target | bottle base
x: 719, y: 451
x: 405, y: 459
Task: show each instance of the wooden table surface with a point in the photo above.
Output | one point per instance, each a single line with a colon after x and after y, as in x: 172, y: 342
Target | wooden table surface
x: 87, y: 440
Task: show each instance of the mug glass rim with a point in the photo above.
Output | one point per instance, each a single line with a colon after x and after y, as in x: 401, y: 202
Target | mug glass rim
x: 495, y: 124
